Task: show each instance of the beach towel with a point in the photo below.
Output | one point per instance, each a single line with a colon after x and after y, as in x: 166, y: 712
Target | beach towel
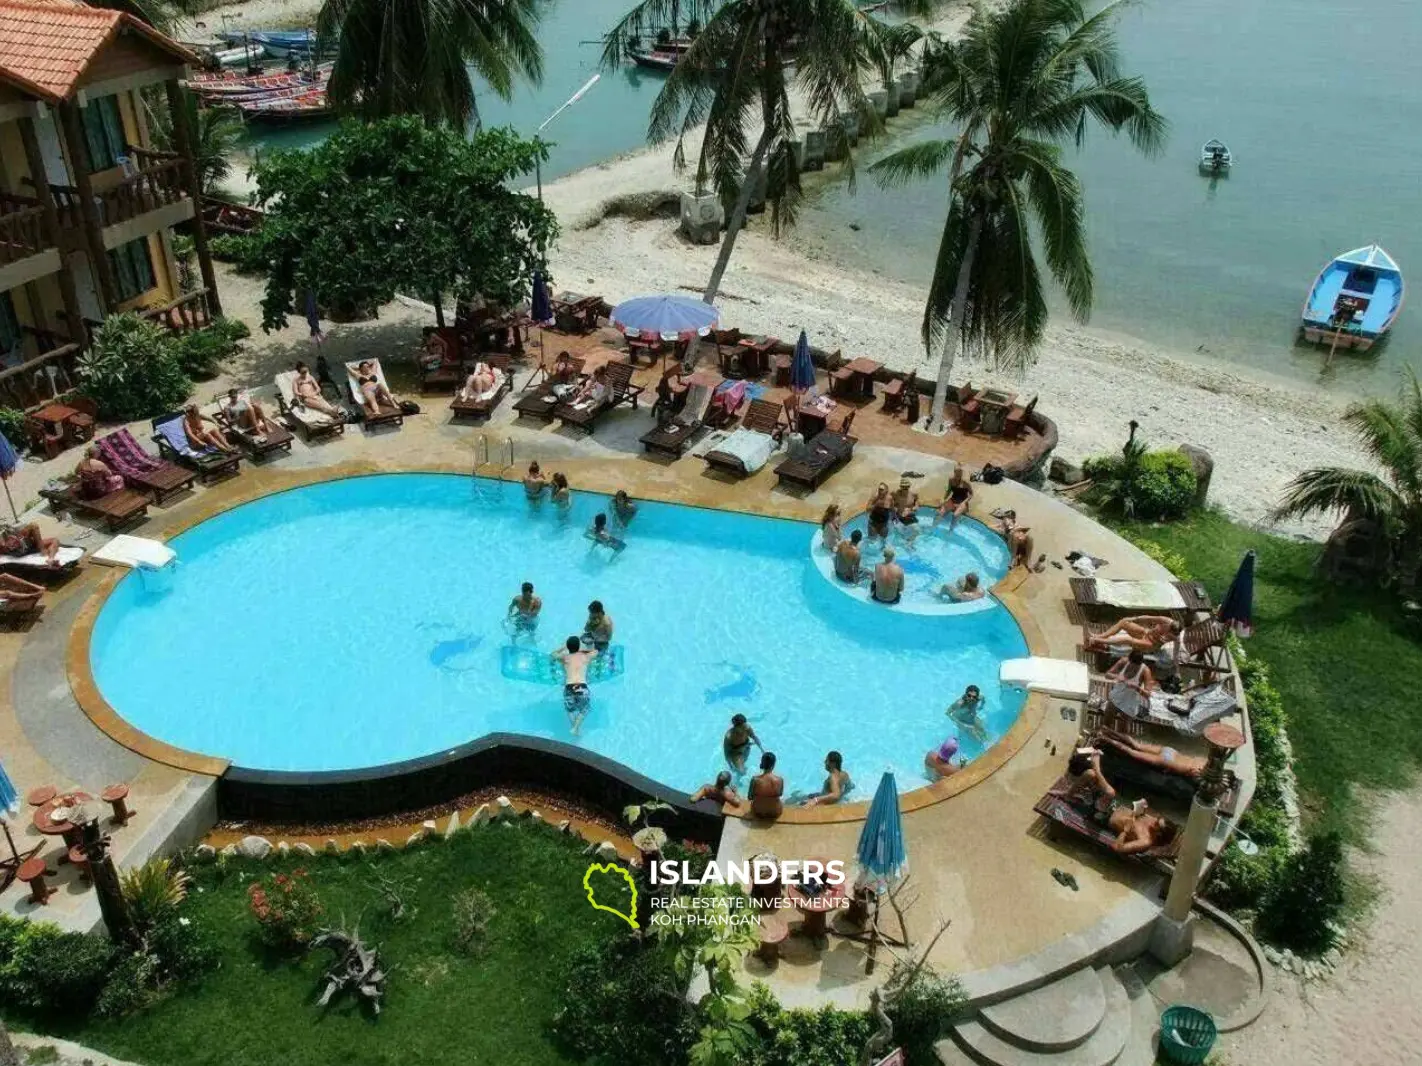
x: 358, y: 397
x: 124, y: 454
x: 286, y: 387
x: 1139, y: 595
x: 67, y: 556
x: 176, y: 437
x: 751, y: 448
x: 730, y: 395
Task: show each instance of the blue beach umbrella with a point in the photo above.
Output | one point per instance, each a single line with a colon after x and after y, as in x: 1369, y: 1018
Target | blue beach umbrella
x: 881, y: 854
x: 1237, y: 608
x: 9, y: 463
x: 542, y: 312
x: 802, y: 367
x: 9, y: 796
x: 667, y: 317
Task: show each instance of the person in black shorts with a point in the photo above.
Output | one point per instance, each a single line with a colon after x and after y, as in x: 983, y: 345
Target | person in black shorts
x: 880, y: 511
x: 577, y: 700
x: 906, y: 509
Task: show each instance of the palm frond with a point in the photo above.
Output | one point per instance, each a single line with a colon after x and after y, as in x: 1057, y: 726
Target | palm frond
x: 1331, y: 490
x: 914, y: 163
x: 1383, y: 431
x: 1060, y: 210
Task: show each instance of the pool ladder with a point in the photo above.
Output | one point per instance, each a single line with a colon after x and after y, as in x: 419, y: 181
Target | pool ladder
x: 488, y: 475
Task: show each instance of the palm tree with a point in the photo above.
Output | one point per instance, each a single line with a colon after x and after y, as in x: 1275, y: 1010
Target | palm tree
x: 413, y: 57
x: 733, y: 78
x: 1020, y: 81
x: 160, y: 14
x: 1381, y: 526
x: 217, y: 132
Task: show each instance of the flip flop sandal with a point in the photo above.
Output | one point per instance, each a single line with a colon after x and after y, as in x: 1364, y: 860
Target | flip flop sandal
x: 1059, y: 877
x: 1070, y: 881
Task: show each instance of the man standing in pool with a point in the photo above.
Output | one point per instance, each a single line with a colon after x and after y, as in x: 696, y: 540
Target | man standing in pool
x: 523, y: 611
x: 534, y: 482
x: 906, y: 509
x: 597, y: 630
x: 576, y: 698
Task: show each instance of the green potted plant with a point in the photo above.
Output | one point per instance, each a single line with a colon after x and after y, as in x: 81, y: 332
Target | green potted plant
x: 650, y: 839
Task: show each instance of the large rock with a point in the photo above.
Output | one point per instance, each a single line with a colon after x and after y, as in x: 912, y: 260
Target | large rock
x: 303, y: 848
x: 701, y: 218
x: 505, y: 807
x: 1204, y: 464
x: 607, y: 850
x: 204, y: 853
x: 481, y: 816
x: 1065, y: 472
x: 453, y: 826
x: 254, y: 847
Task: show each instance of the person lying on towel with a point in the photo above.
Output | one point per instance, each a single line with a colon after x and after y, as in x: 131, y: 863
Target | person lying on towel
x: 1166, y: 759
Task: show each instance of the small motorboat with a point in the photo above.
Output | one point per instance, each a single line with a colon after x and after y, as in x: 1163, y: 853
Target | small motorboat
x: 1215, y: 158
x: 1354, y: 300
x: 656, y: 60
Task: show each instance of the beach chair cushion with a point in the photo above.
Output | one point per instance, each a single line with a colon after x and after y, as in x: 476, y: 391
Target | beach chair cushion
x: 749, y: 448
x: 379, y: 372
x: 307, y: 416
x: 1057, y: 806
x: 133, y: 552
x: 68, y: 555
x: 176, y: 436
x: 1062, y: 678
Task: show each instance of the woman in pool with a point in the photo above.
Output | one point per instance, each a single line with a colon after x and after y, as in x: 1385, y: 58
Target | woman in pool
x: 481, y: 381
x: 721, y: 792
x: 373, y: 393
x: 203, y: 432
x: 881, y: 509
x: 534, y: 482
x: 306, y: 390
x: 939, y: 760
x: 967, y: 588
x: 831, y: 532
x: 766, y: 788
x: 967, y: 711
x: 736, y: 744
x: 562, y: 495
x: 599, y: 534
x: 624, y: 509
x: 95, y: 477
x: 955, y: 498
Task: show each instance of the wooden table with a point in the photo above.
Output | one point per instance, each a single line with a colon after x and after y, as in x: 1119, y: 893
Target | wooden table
x: 755, y: 354
x: 816, y: 909
x: 69, y: 830
x: 813, y: 419
x: 650, y: 347
x: 994, y: 404
x: 864, y: 371
x: 63, y: 421
x: 575, y: 313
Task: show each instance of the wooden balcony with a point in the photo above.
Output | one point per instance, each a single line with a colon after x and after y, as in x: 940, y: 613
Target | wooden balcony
x: 22, y: 229
x: 157, y: 184
x: 50, y: 371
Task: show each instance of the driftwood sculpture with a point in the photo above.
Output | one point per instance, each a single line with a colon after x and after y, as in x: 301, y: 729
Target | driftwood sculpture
x: 357, y: 968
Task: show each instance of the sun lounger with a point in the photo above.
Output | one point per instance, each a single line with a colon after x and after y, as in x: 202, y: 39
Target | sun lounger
x: 134, y: 552
x: 825, y: 453
x: 748, y: 449
x: 1127, y: 597
x: 143, y: 471
x: 308, y: 420
x: 617, y: 378
x: 542, y: 403
x: 116, y: 509
x: 15, y: 606
x: 35, y: 562
x: 1186, y: 713
x: 442, y: 367
x: 1201, y: 647
x: 209, y: 462
x: 1118, y: 765
x: 483, y: 406
x: 258, y: 445
x: 675, y: 435
x: 387, y: 414
x: 1061, y: 810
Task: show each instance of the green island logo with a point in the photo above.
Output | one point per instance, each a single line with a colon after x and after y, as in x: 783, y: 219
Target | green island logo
x: 611, y: 868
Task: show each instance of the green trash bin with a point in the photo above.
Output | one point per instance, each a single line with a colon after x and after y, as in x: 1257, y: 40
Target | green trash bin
x: 1186, y: 1035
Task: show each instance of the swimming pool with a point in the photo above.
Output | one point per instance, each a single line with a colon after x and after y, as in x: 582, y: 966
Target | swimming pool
x: 360, y: 622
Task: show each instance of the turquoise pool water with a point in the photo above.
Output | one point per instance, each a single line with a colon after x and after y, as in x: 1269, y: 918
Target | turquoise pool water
x: 361, y: 622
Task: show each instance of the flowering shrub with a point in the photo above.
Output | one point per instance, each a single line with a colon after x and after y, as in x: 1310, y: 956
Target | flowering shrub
x: 287, y: 910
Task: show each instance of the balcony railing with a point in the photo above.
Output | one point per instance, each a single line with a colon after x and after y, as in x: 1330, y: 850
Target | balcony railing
x: 187, y: 314
x: 157, y: 183
x: 22, y: 229
x: 43, y: 377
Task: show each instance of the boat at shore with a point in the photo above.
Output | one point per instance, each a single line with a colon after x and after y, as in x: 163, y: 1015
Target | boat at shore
x: 1354, y: 300
x: 305, y: 107
x: 1215, y: 158
x: 279, y: 44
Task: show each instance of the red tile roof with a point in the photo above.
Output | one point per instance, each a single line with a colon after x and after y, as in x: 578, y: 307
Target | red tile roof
x: 46, y: 46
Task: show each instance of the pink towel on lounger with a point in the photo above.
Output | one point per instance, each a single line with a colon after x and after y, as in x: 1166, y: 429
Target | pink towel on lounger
x: 730, y: 395
x: 126, y: 455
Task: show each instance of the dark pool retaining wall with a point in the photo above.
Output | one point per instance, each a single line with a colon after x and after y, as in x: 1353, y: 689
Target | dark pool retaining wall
x: 511, y: 759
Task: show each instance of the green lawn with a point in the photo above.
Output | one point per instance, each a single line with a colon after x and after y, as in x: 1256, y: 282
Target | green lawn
x: 1345, y: 658
x: 441, y: 1007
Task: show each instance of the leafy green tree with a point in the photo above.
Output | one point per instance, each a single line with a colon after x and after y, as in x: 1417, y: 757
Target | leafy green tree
x: 398, y: 205
x: 413, y: 57
x: 1381, y: 527
x: 217, y: 133
x: 736, y: 79
x: 1022, y: 80
x: 131, y: 369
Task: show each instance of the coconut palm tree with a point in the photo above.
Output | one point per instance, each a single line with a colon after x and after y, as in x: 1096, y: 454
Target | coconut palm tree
x: 413, y: 57
x: 1021, y: 80
x: 217, y: 132
x: 1381, y: 527
x: 734, y: 79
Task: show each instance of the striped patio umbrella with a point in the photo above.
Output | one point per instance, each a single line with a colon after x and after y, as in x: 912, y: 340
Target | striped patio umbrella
x: 9, y: 796
x: 1237, y: 608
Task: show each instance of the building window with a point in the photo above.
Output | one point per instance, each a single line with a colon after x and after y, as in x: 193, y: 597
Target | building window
x: 132, y: 269
x: 10, y: 336
x: 103, y: 130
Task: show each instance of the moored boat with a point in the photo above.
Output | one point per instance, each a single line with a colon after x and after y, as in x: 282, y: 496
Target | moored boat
x: 307, y: 107
x: 1354, y: 300
x: 1215, y: 158
x: 279, y: 44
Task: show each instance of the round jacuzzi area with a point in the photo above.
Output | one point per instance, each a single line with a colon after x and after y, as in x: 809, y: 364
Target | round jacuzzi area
x: 352, y: 624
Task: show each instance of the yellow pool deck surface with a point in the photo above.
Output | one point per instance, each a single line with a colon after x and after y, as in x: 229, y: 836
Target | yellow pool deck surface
x: 978, y: 854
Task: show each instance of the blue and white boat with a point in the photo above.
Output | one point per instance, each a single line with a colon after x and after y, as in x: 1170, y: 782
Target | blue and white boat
x: 1354, y: 300
x: 279, y: 44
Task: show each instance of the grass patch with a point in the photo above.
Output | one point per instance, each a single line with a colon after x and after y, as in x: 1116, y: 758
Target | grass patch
x: 443, y: 1006
x: 1345, y: 659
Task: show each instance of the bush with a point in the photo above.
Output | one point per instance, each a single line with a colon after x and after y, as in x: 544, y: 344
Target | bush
x: 824, y: 1037
x: 1171, y: 560
x: 43, y: 968
x: 1302, y: 912
x: 201, y: 351
x: 921, y: 1007
x: 472, y: 910
x: 12, y: 424
x: 1144, y: 485
x: 625, y: 1005
x: 287, y: 910
x: 130, y: 988
x: 153, y: 891
x: 1240, y: 882
x: 241, y: 251
x: 183, y: 949
x: 132, y: 371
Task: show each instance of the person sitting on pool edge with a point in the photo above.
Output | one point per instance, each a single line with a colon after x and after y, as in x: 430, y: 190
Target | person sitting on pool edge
x: 956, y: 497
x: 1019, y: 540
x: 888, y: 584
x: 939, y: 760
x: 624, y: 509
x: 846, y: 559
x: 967, y: 710
x: 534, y: 482
x: 967, y: 588
x: 837, y: 782
x: 721, y: 792
x: 736, y: 744
x: 597, y: 630
x: 598, y: 533
x: 766, y: 788
x: 524, y: 608
x: 577, y: 700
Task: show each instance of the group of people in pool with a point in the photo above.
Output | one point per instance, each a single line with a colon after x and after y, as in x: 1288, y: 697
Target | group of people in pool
x: 605, y: 528
x: 897, y: 512
x: 577, y: 652
x: 766, y: 790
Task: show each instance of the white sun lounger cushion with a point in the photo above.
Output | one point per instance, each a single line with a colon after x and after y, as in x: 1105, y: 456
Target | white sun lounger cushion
x: 751, y: 448
x: 131, y: 551
x: 307, y: 416
x: 1063, y: 678
x: 1140, y: 595
x: 68, y: 555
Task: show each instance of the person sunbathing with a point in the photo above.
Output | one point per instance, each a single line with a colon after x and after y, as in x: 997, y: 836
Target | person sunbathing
x: 593, y: 391
x: 969, y: 587
x: 480, y: 382
x: 95, y: 477
x: 1142, y: 632
x: 1138, y: 831
x: 203, y: 432
x: 19, y: 591
x: 1085, y: 782
x: 534, y: 482
x: 837, y: 783
x: 248, y: 414
x: 888, y: 584
x: 939, y: 760
x: 881, y: 509
x: 372, y: 391
x: 967, y: 711
x: 28, y: 540
x: 1166, y: 759
x: 956, y: 496
x: 306, y: 390
x: 766, y: 788
x: 721, y: 792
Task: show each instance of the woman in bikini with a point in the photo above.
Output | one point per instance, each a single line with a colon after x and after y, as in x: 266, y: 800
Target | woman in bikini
x: 831, y: 532
x: 479, y: 382
x: 203, y: 432
x: 1142, y: 632
x: 562, y: 494
x: 766, y: 788
x: 881, y: 509
x: 307, y: 392
x: 736, y: 744
x: 1131, y: 684
x: 1168, y: 759
x: 28, y: 540
x: 95, y: 477
x: 372, y: 392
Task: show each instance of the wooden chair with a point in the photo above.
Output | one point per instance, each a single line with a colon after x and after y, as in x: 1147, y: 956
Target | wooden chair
x: 970, y: 410
x: 895, y: 391
x: 49, y: 444
x: 791, y: 407
x: 1017, y: 419
x: 780, y: 363
x: 840, y: 380
x: 442, y: 368
x: 620, y: 390
x: 844, y: 426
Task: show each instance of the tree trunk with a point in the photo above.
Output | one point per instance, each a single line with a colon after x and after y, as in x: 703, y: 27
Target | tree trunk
x: 737, y: 221
x: 8, y: 1055
x: 955, y: 319
x: 438, y: 302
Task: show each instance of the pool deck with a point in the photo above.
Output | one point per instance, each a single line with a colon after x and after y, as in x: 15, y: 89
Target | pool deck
x: 978, y: 854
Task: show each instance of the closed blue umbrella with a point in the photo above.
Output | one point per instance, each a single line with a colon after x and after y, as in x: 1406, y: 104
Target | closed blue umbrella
x: 9, y: 463
x: 9, y: 796
x: 881, y: 854
x: 542, y: 306
x: 313, y: 316
x: 1237, y: 608
x: 802, y: 367
x: 666, y: 317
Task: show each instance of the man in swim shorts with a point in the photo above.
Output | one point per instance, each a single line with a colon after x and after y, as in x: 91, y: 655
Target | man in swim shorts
x: 888, y: 584
x: 597, y: 630
x: 846, y: 558
x: 837, y: 782
x: 576, y: 698
x: 524, y: 608
x: 736, y: 744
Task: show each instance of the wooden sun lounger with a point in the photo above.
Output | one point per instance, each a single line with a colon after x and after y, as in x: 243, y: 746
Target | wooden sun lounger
x: 483, y: 408
x: 448, y: 374
x: 672, y: 437
x: 825, y: 453
x: 117, y: 509
x: 620, y: 390
x: 542, y: 402
x: 1116, y: 765
x: 1202, y: 644
x: 761, y: 416
x: 208, y: 465
x: 162, y: 481
x: 1063, y: 813
x: 1192, y: 592
x: 314, y: 424
x: 386, y: 415
x: 278, y: 440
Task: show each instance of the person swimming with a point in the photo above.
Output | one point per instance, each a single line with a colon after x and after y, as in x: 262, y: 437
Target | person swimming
x: 597, y: 630
x: 967, y: 711
x: 534, y: 482
x: 598, y: 533
x: 577, y: 699
x: 969, y: 587
x: 939, y: 760
x: 736, y: 744
x: 624, y: 509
